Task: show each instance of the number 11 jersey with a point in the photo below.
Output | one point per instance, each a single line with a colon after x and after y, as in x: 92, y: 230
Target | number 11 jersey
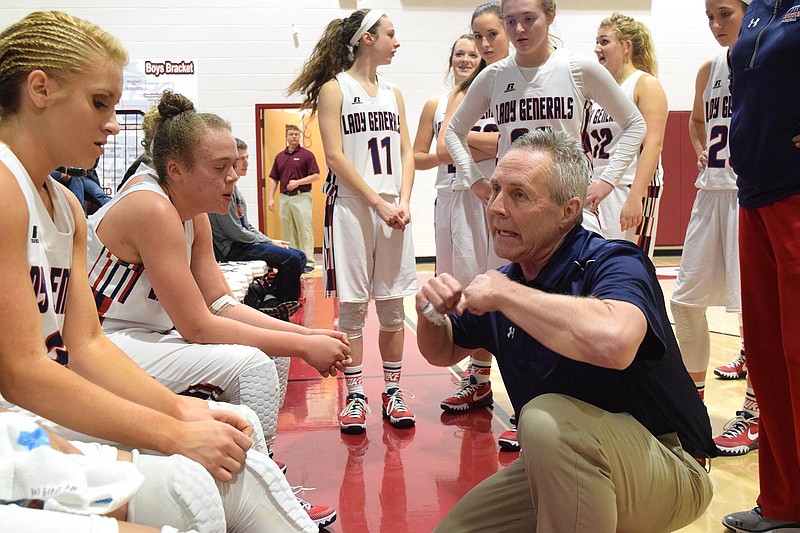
x: 370, y: 138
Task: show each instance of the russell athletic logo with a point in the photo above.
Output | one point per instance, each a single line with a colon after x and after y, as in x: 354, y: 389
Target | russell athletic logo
x: 717, y: 84
x: 357, y: 100
x: 510, y: 88
x: 511, y: 331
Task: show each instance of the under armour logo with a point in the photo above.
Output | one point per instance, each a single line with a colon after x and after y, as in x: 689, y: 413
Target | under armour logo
x: 717, y: 84
x: 511, y: 331
x: 357, y: 100
x: 509, y: 88
x: 753, y: 23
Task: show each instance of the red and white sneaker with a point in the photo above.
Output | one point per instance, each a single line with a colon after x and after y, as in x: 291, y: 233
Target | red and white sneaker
x: 395, y: 410
x: 470, y: 396
x: 736, y: 369
x: 281, y: 465
x: 508, y: 439
x: 740, y: 435
x: 353, y: 418
x: 322, y: 515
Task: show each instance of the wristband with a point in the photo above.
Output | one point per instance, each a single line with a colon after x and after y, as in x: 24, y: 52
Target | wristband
x: 223, y: 305
x: 432, y: 315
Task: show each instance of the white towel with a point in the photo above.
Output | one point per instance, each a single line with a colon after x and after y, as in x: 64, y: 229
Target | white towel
x: 31, y: 470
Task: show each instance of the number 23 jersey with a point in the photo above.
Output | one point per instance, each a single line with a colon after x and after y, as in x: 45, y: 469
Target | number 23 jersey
x: 370, y: 138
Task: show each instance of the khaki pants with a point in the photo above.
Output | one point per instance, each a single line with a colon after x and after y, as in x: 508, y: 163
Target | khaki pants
x: 584, y: 469
x: 296, y: 222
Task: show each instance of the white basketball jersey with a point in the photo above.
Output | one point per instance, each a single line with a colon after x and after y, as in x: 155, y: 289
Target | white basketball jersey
x: 604, y: 133
x: 444, y: 173
x: 544, y: 97
x: 123, y: 292
x: 370, y: 138
x: 718, y: 173
x: 49, y: 253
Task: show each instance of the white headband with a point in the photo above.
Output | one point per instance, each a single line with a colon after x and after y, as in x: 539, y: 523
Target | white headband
x: 372, y: 16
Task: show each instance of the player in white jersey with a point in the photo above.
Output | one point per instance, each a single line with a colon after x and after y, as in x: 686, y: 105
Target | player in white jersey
x: 462, y: 61
x: 62, y: 77
x: 162, y: 297
x: 473, y: 252
x: 369, y: 253
x: 625, y: 48
x: 709, y: 271
x: 542, y: 87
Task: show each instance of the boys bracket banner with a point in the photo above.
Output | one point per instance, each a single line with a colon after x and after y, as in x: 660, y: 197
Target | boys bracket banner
x: 143, y: 82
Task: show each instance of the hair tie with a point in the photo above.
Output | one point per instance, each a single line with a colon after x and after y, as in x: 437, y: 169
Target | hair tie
x: 372, y: 16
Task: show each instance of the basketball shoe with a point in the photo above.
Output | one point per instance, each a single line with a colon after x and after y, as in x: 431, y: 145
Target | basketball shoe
x: 353, y: 418
x: 754, y: 522
x: 508, y: 439
x: 740, y: 435
x: 322, y: 515
x: 395, y: 410
x: 470, y: 396
x: 736, y: 369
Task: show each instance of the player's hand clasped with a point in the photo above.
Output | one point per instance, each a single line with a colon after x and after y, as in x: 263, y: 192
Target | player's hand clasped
x: 395, y: 216
x: 328, y: 352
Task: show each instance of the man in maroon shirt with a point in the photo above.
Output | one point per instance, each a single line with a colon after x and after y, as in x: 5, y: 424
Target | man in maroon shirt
x: 295, y: 168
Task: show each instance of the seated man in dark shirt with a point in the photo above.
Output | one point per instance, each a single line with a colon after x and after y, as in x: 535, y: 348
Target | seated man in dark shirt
x: 611, y: 428
x: 235, y: 239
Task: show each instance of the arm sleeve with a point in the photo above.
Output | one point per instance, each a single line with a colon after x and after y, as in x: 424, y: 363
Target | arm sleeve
x: 600, y: 86
x: 472, y: 108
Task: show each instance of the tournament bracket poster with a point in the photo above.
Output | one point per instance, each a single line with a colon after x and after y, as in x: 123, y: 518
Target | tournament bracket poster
x: 143, y: 82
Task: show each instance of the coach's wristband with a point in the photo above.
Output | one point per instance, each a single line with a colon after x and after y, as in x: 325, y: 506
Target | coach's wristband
x: 432, y: 315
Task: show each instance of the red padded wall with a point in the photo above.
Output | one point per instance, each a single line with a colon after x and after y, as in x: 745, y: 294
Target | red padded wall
x: 680, y: 171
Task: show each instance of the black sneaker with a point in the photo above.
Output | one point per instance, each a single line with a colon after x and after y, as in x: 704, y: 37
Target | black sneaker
x: 276, y: 308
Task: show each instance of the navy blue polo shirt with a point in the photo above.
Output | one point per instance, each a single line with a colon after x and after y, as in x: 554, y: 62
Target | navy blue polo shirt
x: 655, y: 389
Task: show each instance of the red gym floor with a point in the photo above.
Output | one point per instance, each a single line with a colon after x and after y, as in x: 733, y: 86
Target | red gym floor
x: 387, y: 479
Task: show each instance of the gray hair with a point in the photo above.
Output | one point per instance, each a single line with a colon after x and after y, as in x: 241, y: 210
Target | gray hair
x: 569, y: 176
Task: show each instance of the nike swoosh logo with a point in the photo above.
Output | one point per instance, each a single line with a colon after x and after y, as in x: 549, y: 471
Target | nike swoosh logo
x: 751, y: 435
x: 479, y: 397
